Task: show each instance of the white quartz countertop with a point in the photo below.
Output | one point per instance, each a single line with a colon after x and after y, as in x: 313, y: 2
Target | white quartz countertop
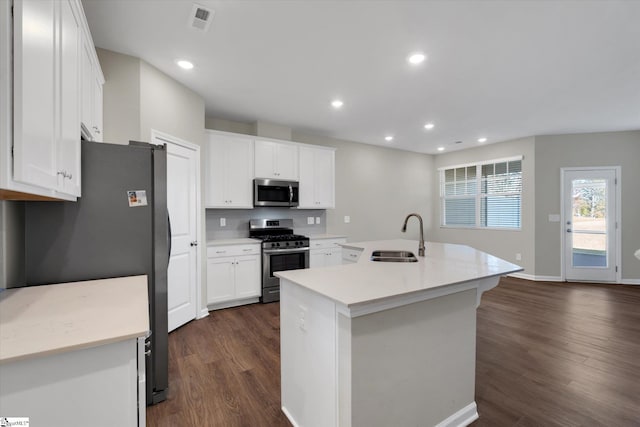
x: 50, y: 319
x: 227, y: 242
x: 367, y: 281
x: 327, y: 236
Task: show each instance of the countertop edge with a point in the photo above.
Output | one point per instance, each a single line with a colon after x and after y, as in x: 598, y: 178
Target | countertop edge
x: 326, y: 236
x: 67, y: 349
x: 52, y: 319
x: 233, y: 242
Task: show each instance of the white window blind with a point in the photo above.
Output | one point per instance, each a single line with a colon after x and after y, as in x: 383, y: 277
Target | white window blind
x: 482, y: 195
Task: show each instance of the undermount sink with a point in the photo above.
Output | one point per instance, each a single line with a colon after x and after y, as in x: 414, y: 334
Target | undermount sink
x: 393, y: 256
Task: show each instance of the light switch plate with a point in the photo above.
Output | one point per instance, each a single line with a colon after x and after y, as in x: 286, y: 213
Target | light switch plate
x: 347, y: 219
x: 554, y: 218
x: 223, y: 222
x: 317, y: 220
x: 309, y: 220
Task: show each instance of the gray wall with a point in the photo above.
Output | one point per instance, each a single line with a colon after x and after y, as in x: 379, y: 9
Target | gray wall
x: 502, y: 243
x: 596, y: 149
x: 169, y: 107
x: 12, y: 241
x: 151, y: 100
x: 121, y: 97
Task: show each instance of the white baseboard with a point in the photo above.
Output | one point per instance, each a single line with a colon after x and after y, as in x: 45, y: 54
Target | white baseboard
x: 234, y: 303
x: 536, y: 278
x: 559, y: 279
x: 289, y: 417
x: 462, y: 418
x: 203, y: 313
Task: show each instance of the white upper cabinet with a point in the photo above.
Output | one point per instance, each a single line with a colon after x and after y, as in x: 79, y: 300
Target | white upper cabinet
x: 41, y: 55
x: 229, y: 182
x: 92, y: 81
x: 276, y: 160
x: 317, y: 177
x: 69, y: 145
x: 34, y: 108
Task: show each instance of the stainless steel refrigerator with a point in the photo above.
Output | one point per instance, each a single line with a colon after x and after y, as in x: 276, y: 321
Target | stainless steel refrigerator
x: 119, y: 227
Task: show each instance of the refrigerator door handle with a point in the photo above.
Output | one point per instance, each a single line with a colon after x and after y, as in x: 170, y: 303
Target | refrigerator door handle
x: 169, y: 236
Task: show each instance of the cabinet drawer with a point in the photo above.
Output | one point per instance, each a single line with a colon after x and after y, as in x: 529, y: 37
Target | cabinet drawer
x: 325, y: 243
x: 232, y: 250
x: 351, y: 255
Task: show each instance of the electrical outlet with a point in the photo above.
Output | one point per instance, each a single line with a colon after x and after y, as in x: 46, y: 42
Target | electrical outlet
x: 223, y: 222
x: 309, y: 220
x: 302, y: 317
x: 317, y: 220
x: 347, y: 219
x: 518, y: 257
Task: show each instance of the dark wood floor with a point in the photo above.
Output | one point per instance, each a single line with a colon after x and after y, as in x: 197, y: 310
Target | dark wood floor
x: 548, y: 354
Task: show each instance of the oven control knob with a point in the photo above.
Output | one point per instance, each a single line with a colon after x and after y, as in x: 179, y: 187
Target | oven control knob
x: 287, y: 243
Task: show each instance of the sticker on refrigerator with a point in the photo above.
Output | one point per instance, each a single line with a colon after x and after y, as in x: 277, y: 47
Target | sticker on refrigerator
x: 137, y: 198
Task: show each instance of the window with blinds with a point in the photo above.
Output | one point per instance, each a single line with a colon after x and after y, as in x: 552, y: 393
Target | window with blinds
x: 482, y: 195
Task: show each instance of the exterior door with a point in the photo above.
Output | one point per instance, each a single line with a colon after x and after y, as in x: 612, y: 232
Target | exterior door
x: 590, y: 224
x: 182, y: 201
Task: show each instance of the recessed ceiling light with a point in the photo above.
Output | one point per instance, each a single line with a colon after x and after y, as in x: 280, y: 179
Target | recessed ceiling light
x: 336, y: 103
x: 481, y: 140
x: 440, y: 148
x: 184, y: 64
x: 416, y: 58
x: 429, y: 126
x: 388, y: 138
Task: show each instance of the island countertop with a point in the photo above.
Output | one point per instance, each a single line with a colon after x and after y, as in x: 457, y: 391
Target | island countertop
x: 366, y: 281
x: 50, y: 319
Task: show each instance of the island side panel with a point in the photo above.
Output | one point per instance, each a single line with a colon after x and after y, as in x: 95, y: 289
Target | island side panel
x: 308, y: 356
x: 415, y: 364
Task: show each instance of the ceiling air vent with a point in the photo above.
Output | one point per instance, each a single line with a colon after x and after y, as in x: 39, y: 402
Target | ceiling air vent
x: 200, y: 17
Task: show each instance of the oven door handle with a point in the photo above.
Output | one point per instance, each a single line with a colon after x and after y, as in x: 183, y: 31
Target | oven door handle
x: 284, y: 251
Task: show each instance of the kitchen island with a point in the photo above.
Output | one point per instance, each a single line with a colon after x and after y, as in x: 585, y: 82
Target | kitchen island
x: 73, y: 353
x: 384, y: 343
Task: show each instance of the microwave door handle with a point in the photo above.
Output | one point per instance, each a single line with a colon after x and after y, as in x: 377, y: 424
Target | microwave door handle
x: 290, y: 194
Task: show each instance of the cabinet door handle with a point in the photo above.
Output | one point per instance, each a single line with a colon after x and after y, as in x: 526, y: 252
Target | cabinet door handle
x: 247, y: 250
x: 194, y: 243
x: 221, y: 252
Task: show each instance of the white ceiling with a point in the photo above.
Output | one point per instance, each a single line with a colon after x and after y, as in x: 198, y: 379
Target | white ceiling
x: 498, y: 69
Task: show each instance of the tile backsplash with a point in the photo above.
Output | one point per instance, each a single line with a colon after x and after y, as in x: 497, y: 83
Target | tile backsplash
x: 237, y: 221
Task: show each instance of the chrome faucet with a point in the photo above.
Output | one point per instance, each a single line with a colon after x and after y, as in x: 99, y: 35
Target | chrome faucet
x: 404, y: 230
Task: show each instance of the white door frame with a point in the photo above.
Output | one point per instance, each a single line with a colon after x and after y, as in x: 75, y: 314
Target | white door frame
x: 618, y: 219
x: 158, y: 136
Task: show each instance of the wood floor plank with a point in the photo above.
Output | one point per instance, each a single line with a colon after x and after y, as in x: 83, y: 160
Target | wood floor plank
x: 548, y: 355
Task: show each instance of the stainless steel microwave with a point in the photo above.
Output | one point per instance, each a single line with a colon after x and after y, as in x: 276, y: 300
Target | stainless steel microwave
x: 271, y: 192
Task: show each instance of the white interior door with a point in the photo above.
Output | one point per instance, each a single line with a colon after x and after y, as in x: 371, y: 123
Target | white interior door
x: 183, y: 181
x: 590, y: 221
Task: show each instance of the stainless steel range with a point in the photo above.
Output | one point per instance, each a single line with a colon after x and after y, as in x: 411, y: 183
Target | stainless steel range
x: 281, y: 250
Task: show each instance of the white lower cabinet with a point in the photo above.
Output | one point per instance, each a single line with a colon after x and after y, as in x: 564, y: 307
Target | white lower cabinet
x: 233, y: 274
x: 98, y: 386
x: 325, y: 252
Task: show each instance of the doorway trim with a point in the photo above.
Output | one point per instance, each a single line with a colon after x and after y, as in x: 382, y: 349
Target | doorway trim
x: 618, y: 219
x: 159, y: 136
